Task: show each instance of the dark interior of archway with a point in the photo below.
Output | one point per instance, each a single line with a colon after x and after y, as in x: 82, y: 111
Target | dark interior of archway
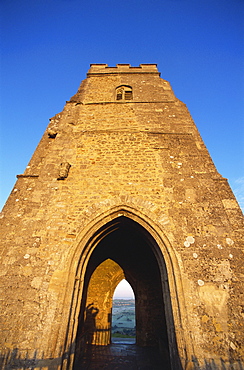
x: 129, y: 245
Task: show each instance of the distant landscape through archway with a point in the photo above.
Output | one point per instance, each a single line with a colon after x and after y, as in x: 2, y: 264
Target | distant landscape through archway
x: 123, y: 314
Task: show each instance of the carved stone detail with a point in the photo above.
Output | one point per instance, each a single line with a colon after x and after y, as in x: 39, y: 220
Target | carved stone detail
x: 52, y: 133
x: 64, y: 170
x: 53, y: 126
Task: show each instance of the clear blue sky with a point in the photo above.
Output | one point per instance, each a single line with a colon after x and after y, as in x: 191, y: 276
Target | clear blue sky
x: 48, y: 45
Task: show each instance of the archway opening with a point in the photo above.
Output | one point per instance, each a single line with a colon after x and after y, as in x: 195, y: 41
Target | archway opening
x: 123, y: 291
x: 123, y: 314
x: 123, y: 249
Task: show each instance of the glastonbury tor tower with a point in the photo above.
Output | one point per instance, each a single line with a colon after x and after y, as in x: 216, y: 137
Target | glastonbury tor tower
x: 120, y: 186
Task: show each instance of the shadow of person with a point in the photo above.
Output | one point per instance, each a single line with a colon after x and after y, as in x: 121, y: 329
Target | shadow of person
x: 90, y: 323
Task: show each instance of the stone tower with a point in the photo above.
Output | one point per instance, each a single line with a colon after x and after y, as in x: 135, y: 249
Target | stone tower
x: 121, y: 185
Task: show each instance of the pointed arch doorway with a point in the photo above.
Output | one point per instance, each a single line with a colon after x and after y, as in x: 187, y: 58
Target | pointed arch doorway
x: 123, y: 314
x: 125, y: 250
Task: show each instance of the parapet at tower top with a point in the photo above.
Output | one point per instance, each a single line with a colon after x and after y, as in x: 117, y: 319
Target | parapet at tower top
x: 123, y: 68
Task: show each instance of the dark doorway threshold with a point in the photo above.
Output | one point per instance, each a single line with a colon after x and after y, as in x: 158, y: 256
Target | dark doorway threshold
x: 121, y: 356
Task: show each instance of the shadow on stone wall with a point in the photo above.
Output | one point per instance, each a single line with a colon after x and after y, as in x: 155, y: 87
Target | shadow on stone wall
x: 17, y: 360
x: 211, y: 364
x: 92, y: 333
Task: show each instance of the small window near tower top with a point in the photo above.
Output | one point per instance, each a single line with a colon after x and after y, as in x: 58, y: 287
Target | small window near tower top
x: 124, y: 93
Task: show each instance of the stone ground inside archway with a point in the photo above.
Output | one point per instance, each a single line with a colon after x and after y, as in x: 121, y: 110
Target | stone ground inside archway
x: 120, y: 356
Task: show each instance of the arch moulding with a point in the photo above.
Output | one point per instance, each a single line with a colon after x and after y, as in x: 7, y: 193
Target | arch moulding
x: 169, y: 266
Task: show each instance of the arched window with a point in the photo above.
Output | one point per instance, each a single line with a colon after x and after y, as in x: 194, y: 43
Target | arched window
x: 124, y: 93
